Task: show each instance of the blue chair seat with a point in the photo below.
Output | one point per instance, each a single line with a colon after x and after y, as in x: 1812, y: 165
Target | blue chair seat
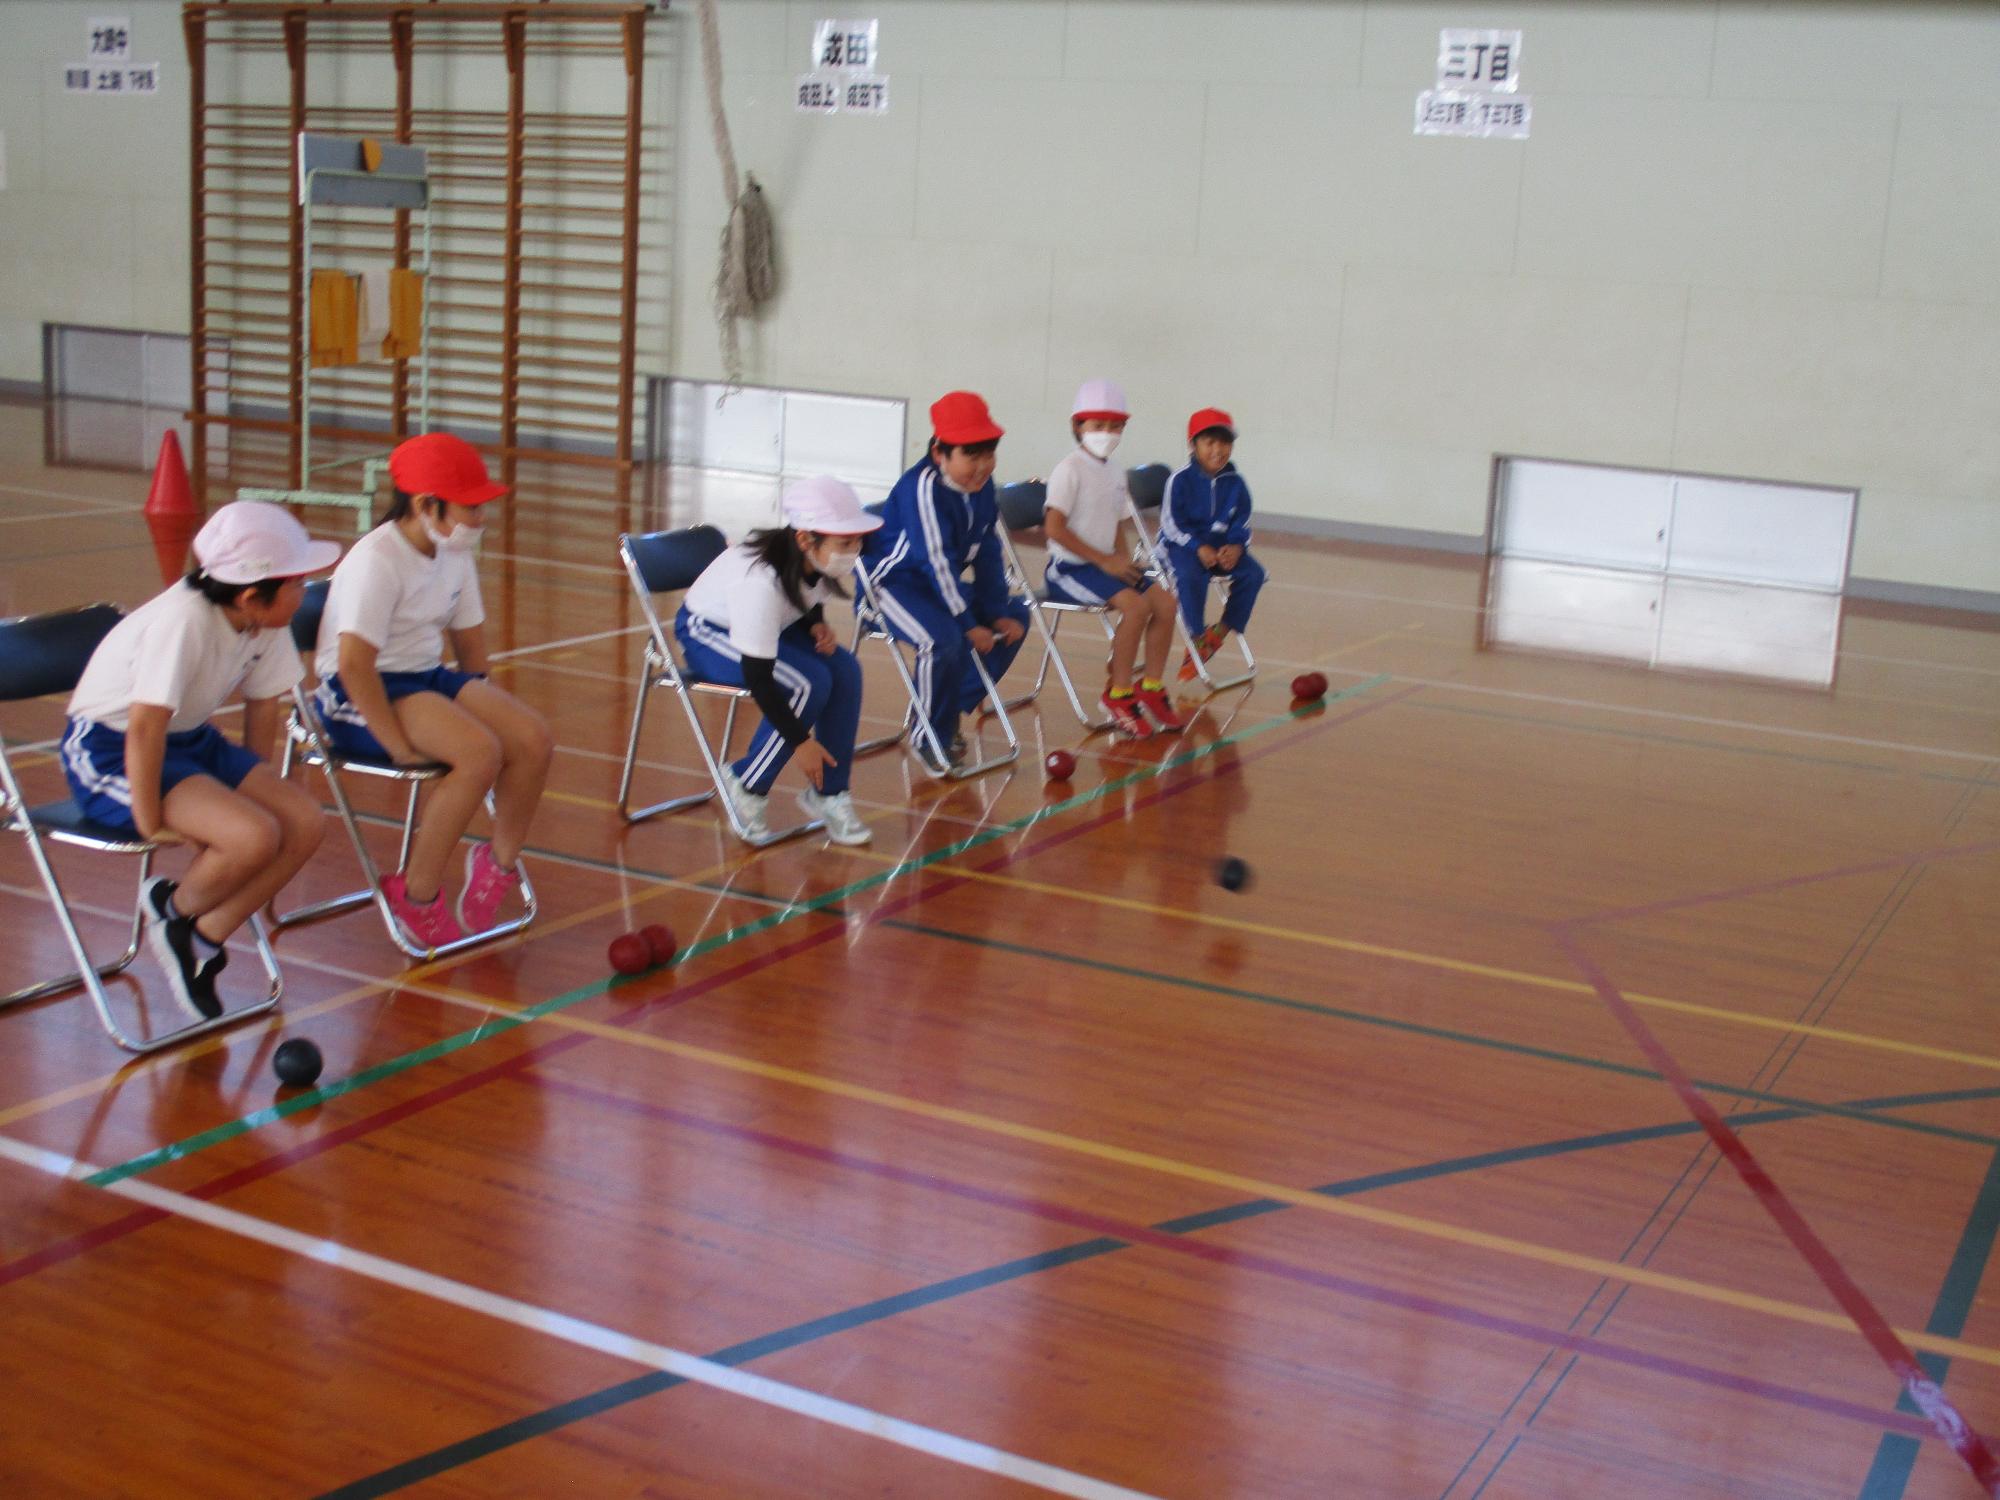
x: 65, y: 820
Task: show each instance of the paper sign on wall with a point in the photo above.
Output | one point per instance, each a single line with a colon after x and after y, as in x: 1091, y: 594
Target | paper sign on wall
x: 1478, y: 78
x: 109, y: 68
x: 843, y: 79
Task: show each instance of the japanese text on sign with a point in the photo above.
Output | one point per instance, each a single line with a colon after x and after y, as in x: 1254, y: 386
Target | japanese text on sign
x: 110, y: 39
x: 1449, y: 112
x: 133, y: 78
x: 844, y: 44
x: 818, y: 94
x: 1485, y: 60
x: 842, y: 93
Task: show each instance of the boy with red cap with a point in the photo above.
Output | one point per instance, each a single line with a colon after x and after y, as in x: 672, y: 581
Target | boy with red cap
x: 937, y: 522
x: 141, y: 754
x: 385, y: 692
x: 1205, y: 522
x: 1084, y: 509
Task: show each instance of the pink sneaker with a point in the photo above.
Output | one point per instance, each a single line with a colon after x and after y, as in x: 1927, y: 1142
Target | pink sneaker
x: 430, y: 925
x: 486, y: 886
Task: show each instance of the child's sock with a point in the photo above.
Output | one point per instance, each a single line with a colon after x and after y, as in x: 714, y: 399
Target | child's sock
x: 203, y: 947
x: 1124, y: 692
x: 1153, y: 685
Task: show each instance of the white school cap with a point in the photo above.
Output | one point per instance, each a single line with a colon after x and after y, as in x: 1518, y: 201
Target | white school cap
x: 828, y: 506
x: 249, y: 541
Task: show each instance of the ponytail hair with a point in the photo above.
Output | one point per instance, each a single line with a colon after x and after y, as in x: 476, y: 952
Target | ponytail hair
x: 778, y: 548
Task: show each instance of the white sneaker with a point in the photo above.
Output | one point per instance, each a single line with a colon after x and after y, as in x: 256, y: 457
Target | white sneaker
x: 748, y: 804
x: 843, y: 823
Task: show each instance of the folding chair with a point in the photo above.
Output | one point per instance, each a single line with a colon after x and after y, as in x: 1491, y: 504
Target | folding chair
x: 41, y: 654
x: 871, y: 624
x: 1146, y: 491
x: 668, y: 562
x: 307, y: 743
x: 1021, y: 510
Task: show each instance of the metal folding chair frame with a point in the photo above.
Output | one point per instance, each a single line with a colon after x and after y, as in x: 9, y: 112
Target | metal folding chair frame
x: 62, y: 823
x: 307, y: 743
x: 1047, y: 612
x: 871, y: 624
x: 663, y: 668
x: 1155, y: 564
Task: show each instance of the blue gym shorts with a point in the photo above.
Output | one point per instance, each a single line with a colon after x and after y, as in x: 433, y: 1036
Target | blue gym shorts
x: 349, y: 731
x: 1085, y: 583
x: 93, y: 760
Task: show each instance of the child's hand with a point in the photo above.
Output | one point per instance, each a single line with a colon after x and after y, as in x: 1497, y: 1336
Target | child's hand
x: 1229, y: 556
x: 1123, y: 568
x: 1206, y: 554
x: 980, y: 638
x: 1010, y: 629
x: 814, y: 760
x: 824, y: 640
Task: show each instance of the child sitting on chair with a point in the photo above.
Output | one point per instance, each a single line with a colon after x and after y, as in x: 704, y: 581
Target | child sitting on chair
x: 386, y: 694
x: 755, y: 619
x: 1083, y: 516
x: 1205, y: 523
x: 939, y: 521
x: 142, y: 755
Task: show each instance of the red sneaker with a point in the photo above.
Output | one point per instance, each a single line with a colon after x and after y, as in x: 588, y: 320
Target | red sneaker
x: 430, y: 924
x: 1160, y: 708
x: 1207, y: 643
x: 1125, y: 716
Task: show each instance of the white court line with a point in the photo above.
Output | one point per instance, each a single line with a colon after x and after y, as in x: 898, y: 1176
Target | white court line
x: 1666, y: 713
x: 87, y: 500
x: 585, y: 1334
x: 574, y: 640
x: 95, y: 512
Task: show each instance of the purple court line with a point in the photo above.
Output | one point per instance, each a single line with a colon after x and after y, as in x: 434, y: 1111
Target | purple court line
x: 88, y: 1240
x: 1785, y: 883
x: 1924, y: 1392
x: 1186, y: 1245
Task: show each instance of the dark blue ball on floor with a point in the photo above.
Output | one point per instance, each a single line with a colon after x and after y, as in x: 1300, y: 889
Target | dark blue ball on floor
x: 1232, y: 874
x: 297, y: 1063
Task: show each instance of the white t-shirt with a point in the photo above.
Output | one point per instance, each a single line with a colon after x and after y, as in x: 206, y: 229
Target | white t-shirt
x: 741, y: 593
x: 1090, y: 492
x: 179, y: 651
x: 399, y: 601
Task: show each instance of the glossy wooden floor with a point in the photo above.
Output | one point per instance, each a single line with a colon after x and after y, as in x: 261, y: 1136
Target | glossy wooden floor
x: 1025, y: 1141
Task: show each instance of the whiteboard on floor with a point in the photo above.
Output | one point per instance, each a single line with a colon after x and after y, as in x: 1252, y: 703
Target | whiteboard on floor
x: 1583, y: 513
x: 1761, y: 533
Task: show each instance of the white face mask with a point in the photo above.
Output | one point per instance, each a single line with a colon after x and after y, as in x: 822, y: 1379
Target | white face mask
x: 458, y: 539
x: 1101, y: 444
x: 837, y: 564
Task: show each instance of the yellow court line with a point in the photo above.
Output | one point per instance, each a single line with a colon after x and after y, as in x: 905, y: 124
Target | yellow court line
x: 1463, y: 966
x: 1345, y: 1208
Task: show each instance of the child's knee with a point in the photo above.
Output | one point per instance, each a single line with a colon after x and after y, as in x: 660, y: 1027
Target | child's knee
x: 254, y: 836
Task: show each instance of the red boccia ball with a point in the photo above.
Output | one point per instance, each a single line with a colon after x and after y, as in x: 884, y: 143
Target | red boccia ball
x: 629, y: 954
x: 1303, y: 686
x: 660, y: 944
x: 1060, y: 765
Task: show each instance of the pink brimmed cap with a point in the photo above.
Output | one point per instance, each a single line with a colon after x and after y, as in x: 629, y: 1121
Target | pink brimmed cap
x: 828, y: 506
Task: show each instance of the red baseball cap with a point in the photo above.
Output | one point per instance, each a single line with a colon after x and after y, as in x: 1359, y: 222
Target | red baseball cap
x: 444, y: 465
x: 961, y: 417
x: 1211, y: 416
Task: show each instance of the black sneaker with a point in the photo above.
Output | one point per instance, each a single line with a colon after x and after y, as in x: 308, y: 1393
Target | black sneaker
x: 172, y: 941
x: 207, y: 998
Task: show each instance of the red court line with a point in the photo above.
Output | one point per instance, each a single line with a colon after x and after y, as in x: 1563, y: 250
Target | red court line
x: 1929, y: 1398
x: 1249, y: 1260
x: 76, y: 1245
x: 1785, y: 883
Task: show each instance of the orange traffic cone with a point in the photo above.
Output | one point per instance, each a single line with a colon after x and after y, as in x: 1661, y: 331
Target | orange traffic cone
x: 170, y: 494
x: 172, y: 535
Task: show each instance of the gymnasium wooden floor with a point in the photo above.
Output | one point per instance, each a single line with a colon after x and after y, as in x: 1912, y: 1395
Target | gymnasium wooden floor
x: 1014, y: 1154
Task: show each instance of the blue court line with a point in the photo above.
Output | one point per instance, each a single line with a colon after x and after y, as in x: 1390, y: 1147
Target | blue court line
x: 554, y: 1418
x: 1896, y: 1454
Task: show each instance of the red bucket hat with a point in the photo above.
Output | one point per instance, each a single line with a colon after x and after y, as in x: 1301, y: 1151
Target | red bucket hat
x: 961, y: 417
x: 1211, y: 416
x: 441, y: 464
